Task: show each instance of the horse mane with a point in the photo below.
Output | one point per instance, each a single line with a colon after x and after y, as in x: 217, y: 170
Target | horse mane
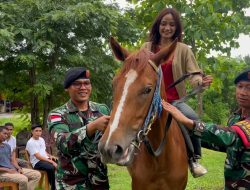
x: 136, y: 60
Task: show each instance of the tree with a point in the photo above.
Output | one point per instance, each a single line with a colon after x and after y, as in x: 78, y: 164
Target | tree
x: 221, y: 94
x: 208, y: 24
x: 40, y: 40
x: 247, y: 60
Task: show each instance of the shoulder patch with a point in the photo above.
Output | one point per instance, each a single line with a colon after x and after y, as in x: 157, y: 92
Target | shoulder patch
x: 55, y: 117
x: 242, y: 128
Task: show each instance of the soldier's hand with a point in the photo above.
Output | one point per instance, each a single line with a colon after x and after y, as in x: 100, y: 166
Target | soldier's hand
x: 102, y: 122
x: 99, y: 124
x: 54, y: 164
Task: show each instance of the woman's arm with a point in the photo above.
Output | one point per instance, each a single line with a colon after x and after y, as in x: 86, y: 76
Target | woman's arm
x: 211, y: 133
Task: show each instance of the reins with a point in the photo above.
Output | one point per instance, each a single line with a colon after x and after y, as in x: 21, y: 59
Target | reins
x: 183, y: 78
x: 192, y: 93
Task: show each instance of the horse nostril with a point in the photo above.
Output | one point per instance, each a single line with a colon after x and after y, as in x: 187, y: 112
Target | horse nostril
x: 115, y: 152
x: 119, y: 150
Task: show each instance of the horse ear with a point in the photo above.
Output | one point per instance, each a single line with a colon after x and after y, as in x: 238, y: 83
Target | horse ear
x: 165, y: 53
x: 119, y: 52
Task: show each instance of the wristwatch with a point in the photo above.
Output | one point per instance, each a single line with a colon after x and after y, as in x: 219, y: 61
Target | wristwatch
x: 199, y: 128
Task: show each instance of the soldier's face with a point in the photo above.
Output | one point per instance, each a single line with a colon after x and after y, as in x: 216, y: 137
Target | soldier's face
x: 243, y: 94
x: 80, y: 90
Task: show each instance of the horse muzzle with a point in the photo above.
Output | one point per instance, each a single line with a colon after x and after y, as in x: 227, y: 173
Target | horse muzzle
x: 115, y: 154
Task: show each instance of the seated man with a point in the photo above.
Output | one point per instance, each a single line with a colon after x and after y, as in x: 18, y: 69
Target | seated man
x: 39, y: 158
x: 10, y: 171
x: 11, y: 140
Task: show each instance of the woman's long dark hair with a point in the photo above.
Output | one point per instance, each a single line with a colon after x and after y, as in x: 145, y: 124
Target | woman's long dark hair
x: 154, y: 35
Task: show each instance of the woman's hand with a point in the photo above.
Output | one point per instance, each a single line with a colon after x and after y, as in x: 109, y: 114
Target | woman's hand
x: 207, y: 80
x: 177, y: 115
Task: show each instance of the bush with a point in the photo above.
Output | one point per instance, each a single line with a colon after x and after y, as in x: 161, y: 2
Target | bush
x: 20, y: 121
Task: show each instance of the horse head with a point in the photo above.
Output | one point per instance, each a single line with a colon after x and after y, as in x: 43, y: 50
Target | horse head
x: 133, y: 91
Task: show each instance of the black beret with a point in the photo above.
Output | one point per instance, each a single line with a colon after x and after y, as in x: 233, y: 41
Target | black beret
x: 245, y: 76
x: 74, y: 74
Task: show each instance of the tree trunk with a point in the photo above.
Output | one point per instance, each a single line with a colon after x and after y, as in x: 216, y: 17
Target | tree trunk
x: 49, y: 98
x: 34, y: 98
x: 46, y: 109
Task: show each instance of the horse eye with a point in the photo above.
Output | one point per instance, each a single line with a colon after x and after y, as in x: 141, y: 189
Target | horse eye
x: 147, y: 90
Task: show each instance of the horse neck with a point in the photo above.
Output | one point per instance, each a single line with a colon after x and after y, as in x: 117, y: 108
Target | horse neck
x: 159, y: 125
x: 157, y: 129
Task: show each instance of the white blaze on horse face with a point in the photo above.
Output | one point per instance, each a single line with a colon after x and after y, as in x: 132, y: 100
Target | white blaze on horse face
x: 131, y: 76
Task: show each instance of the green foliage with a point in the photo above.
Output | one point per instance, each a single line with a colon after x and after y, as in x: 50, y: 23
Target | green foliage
x: 219, y: 99
x: 218, y: 115
x: 208, y: 24
x: 247, y: 60
x: 40, y: 40
x: 224, y: 71
x: 20, y: 122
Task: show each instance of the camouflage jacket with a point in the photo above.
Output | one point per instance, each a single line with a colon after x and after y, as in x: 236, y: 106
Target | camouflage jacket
x: 79, y: 164
x: 237, y: 163
x: 235, y: 117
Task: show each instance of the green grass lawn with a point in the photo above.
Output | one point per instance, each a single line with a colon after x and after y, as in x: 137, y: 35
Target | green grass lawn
x: 213, y: 180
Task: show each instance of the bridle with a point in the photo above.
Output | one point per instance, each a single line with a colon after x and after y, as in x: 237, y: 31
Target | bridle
x: 155, y: 112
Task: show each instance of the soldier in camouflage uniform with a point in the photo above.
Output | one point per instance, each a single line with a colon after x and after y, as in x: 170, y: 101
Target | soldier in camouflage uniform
x: 77, y: 127
x: 234, y: 139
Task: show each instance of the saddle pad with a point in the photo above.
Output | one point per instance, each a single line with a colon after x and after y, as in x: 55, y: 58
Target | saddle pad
x: 242, y: 128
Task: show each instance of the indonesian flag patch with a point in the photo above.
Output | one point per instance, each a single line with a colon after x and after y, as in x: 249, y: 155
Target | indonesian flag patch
x: 55, y: 118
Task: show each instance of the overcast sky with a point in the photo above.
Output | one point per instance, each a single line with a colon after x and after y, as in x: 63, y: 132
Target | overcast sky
x: 244, y: 49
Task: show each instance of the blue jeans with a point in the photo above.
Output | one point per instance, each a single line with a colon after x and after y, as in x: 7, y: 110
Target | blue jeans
x: 190, y: 113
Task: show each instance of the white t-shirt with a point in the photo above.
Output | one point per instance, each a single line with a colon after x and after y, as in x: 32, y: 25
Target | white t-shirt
x: 11, y: 142
x: 34, y: 146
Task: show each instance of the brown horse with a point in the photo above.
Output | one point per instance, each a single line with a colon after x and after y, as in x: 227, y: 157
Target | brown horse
x: 131, y: 128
